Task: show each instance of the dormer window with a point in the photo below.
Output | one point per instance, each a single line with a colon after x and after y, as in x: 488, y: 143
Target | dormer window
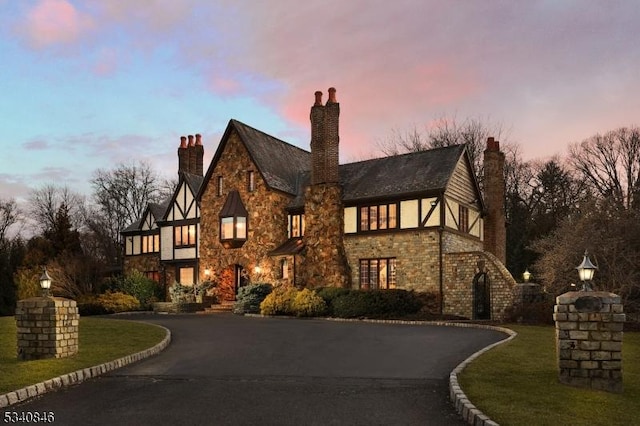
x: 233, y: 222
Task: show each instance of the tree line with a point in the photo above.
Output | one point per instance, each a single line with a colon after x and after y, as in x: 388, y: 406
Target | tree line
x: 75, y: 237
x: 556, y: 209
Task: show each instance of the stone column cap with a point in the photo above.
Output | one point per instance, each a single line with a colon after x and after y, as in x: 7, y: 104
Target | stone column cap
x: 571, y: 297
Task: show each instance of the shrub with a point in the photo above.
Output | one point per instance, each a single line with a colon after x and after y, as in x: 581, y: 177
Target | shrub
x: 329, y: 294
x: 138, y: 285
x: 539, y: 312
x: 376, y: 304
x: 308, y: 304
x: 279, y: 301
x: 88, y: 305
x: 250, y: 297
x: 118, y: 302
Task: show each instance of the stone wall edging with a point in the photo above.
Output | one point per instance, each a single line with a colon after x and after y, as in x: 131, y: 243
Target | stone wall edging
x: 78, y: 376
x: 464, y: 407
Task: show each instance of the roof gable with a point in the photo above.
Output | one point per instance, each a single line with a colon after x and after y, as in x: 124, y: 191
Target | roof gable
x: 278, y: 162
x: 183, y: 201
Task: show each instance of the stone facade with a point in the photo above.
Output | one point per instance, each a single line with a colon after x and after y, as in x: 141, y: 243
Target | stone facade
x: 589, y: 339
x: 47, y: 328
x: 266, y: 224
x: 460, y: 270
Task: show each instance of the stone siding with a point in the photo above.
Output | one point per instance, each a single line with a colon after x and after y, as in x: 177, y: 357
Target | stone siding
x: 416, y: 253
x: 47, y: 328
x: 459, y: 272
x: 267, y: 221
x: 324, y: 262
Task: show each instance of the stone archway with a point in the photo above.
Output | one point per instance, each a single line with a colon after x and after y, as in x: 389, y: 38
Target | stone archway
x: 481, y: 296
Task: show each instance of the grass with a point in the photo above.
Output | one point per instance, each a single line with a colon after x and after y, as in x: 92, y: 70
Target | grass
x: 101, y: 340
x: 517, y: 383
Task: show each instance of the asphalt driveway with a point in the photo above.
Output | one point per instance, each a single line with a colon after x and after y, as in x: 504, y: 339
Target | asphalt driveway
x: 229, y: 370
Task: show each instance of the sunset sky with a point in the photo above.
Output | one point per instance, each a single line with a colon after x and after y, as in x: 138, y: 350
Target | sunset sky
x: 88, y: 84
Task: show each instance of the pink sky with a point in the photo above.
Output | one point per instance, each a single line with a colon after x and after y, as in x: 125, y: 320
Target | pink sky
x: 121, y: 79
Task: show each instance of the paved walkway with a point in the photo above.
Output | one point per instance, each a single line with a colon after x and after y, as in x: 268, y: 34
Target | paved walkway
x: 229, y: 370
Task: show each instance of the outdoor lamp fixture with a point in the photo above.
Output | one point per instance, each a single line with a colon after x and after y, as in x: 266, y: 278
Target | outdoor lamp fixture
x: 586, y: 270
x: 526, y: 275
x: 45, y: 283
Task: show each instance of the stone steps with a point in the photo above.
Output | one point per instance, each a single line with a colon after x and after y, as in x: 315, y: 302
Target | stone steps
x: 224, y: 306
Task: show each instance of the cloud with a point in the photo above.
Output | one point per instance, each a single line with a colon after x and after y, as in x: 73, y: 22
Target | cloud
x: 36, y: 145
x: 53, y: 22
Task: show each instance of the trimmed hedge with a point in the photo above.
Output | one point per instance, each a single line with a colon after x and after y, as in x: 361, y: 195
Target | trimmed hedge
x: 250, y: 297
x: 107, y: 303
x: 376, y: 304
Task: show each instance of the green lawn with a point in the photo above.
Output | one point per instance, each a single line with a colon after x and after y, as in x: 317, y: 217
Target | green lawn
x: 516, y: 384
x: 101, y: 340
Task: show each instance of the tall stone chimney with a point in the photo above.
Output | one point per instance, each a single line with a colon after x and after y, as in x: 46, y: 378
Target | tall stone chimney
x: 325, y: 261
x: 183, y: 155
x: 495, y: 232
x: 199, y: 149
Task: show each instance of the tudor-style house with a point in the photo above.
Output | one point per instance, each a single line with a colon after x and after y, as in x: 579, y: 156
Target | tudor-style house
x: 267, y: 211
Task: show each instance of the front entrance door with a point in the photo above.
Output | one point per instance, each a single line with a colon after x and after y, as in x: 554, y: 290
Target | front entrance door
x: 231, y: 279
x: 481, y: 296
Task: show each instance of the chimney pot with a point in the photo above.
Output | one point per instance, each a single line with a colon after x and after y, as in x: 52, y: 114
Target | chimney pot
x: 198, y: 139
x: 183, y: 141
x: 332, y: 95
x: 318, y: 98
x: 492, y: 144
x: 190, y: 140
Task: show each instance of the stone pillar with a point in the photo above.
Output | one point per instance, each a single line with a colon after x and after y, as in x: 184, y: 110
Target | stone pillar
x: 589, y: 339
x: 47, y: 328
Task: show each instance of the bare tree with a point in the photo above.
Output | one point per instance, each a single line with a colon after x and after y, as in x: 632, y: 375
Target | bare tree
x: 610, y: 163
x: 449, y: 131
x: 121, y: 196
x: 9, y: 216
x: 45, y: 202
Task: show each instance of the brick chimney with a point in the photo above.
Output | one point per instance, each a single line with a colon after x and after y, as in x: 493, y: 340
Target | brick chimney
x: 192, y: 154
x: 183, y: 155
x: 325, y: 261
x: 199, y: 149
x: 495, y: 232
x: 325, y: 139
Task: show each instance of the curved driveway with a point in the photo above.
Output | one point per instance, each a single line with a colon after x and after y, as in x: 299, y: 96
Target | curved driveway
x: 228, y: 370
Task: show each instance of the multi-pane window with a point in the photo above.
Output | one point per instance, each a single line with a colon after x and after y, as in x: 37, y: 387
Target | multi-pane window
x: 150, y: 243
x: 296, y: 225
x: 377, y: 273
x: 251, y: 181
x: 153, y: 275
x: 379, y: 217
x: 463, y: 219
x: 228, y: 225
x: 185, y: 235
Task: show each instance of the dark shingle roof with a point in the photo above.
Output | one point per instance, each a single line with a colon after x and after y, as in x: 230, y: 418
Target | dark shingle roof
x: 194, y: 182
x: 279, y: 162
x: 395, y: 176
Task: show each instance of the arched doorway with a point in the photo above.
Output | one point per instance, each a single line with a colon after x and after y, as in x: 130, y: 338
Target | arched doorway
x: 481, y: 296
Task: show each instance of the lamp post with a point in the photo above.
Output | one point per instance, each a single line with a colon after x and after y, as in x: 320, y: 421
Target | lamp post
x: 45, y: 283
x: 526, y: 275
x: 586, y: 270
